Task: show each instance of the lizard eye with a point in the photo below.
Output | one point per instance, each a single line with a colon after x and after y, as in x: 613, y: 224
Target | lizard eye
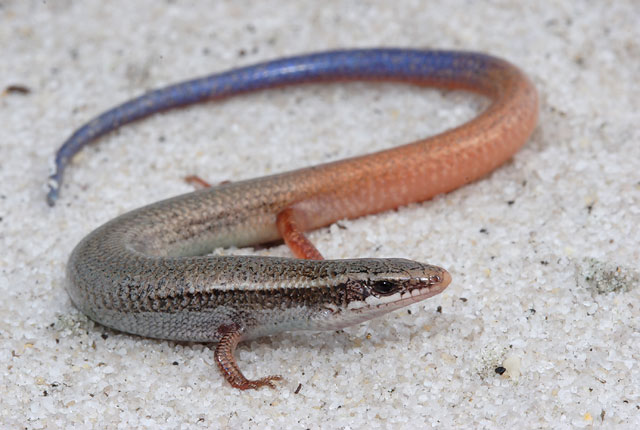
x: 383, y: 288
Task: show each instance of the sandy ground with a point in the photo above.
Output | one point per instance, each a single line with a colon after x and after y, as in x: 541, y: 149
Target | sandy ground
x: 544, y: 252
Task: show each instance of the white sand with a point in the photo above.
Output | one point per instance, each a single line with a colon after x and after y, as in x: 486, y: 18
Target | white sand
x: 520, y: 298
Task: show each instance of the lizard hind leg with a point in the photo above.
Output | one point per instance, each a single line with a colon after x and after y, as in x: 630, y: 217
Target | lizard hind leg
x: 289, y: 223
x: 197, y: 181
x: 291, y: 228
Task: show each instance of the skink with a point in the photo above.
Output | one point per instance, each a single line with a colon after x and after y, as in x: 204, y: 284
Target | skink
x: 145, y: 272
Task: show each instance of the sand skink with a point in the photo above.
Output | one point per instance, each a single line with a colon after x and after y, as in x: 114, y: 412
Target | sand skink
x: 145, y: 272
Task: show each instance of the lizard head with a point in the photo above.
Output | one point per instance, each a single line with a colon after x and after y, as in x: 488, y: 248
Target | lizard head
x: 369, y: 288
